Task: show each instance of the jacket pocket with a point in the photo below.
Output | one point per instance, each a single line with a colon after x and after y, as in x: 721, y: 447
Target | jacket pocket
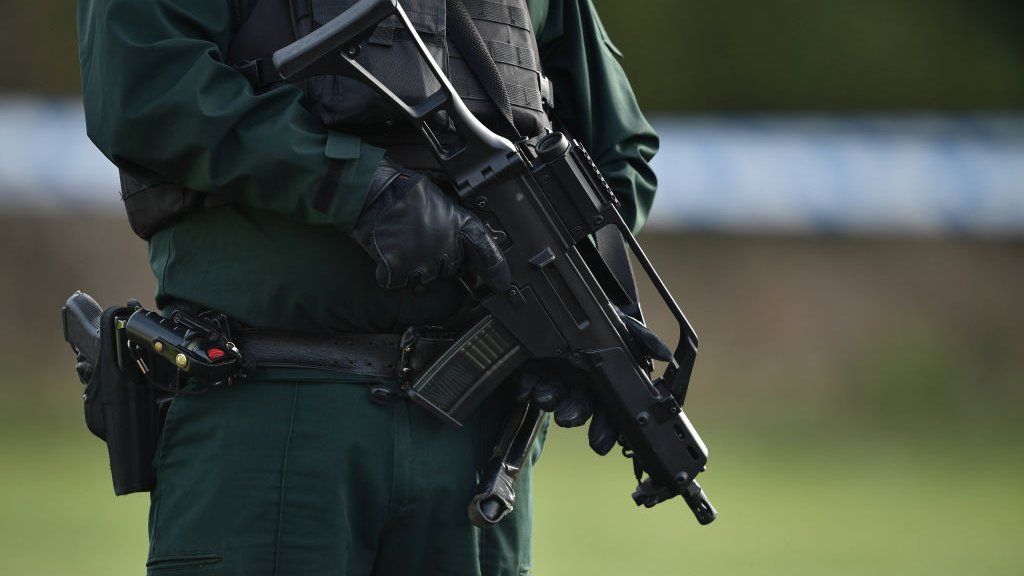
x: 169, y: 563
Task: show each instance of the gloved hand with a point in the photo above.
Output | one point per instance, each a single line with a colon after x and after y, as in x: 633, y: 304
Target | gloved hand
x: 416, y: 233
x: 562, y: 389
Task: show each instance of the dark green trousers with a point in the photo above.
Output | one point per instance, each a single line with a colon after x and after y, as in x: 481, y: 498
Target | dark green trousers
x: 285, y: 475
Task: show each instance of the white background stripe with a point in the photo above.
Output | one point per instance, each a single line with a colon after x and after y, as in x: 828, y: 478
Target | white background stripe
x: 867, y: 174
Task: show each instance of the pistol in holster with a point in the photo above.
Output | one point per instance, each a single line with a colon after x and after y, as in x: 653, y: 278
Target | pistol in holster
x: 132, y: 361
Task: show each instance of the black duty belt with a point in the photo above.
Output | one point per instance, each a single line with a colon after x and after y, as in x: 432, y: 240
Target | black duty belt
x: 399, y: 356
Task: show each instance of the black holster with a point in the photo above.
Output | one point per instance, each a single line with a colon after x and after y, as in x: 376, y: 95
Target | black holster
x: 123, y: 411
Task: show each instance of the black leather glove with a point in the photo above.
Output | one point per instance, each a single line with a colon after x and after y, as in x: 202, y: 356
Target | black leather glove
x: 560, y: 388
x: 416, y: 233
x: 556, y: 388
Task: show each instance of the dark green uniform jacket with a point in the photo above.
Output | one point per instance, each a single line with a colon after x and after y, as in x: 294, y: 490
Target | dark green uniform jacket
x: 160, y: 101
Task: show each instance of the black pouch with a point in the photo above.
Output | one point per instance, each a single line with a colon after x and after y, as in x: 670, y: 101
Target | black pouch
x: 122, y: 410
x: 151, y: 208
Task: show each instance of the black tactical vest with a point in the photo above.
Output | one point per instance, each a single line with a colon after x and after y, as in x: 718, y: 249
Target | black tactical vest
x: 390, y: 55
x: 347, y: 105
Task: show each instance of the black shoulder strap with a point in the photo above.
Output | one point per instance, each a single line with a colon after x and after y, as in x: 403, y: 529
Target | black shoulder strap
x: 467, y: 39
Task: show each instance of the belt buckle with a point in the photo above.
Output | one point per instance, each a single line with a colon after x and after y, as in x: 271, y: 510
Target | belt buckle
x: 405, y: 370
x: 407, y: 344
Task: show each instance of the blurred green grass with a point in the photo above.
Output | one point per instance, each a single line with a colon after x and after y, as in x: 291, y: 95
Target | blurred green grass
x: 836, y: 498
x: 837, y: 502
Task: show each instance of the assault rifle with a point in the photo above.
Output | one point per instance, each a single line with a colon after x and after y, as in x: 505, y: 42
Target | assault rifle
x: 543, y: 199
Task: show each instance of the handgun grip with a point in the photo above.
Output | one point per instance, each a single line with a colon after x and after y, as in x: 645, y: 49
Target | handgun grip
x: 81, y: 317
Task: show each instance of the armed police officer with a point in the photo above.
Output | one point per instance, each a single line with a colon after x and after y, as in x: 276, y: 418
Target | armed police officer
x: 311, y: 216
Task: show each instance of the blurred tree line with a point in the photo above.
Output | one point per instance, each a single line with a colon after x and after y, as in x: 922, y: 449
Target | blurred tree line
x: 727, y: 55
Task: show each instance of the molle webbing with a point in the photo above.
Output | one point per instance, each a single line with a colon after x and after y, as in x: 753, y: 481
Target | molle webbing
x: 463, y: 34
x: 508, y: 36
x: 347, y: 105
